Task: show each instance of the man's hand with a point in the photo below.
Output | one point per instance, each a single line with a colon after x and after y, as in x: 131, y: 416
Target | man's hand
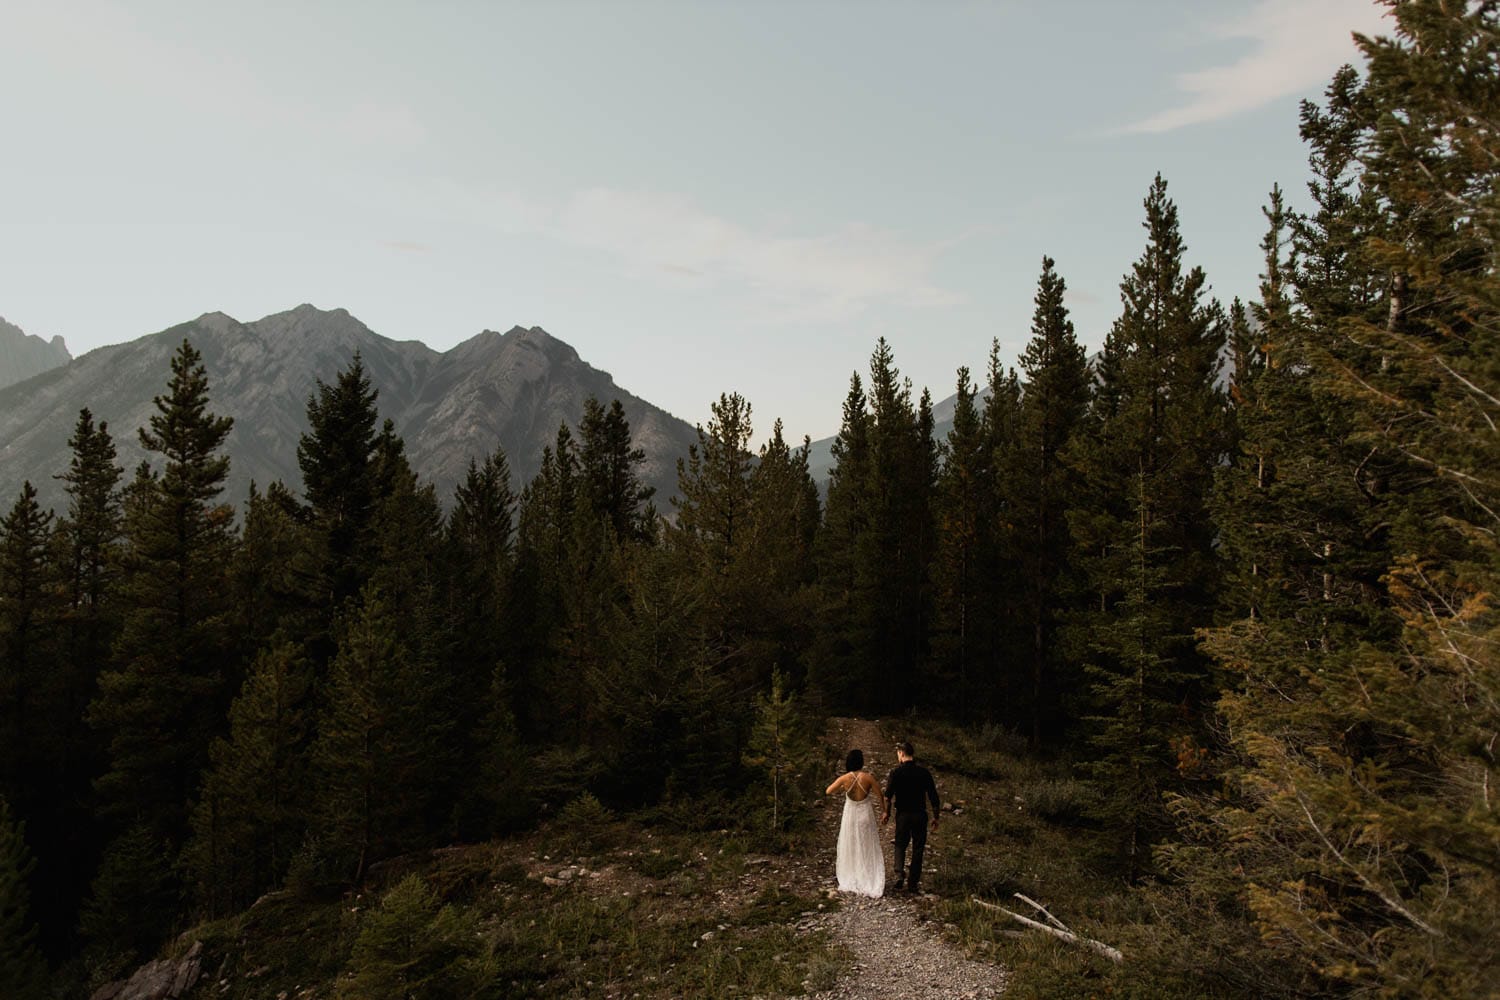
x: 934, y: 822
x: 884, y: 816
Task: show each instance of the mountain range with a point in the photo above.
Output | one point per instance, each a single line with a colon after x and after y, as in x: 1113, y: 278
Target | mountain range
x: 510, y: 390
x: 23, y: 355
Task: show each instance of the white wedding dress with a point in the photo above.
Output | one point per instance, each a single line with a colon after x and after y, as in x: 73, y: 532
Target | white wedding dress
x: 861, y: 861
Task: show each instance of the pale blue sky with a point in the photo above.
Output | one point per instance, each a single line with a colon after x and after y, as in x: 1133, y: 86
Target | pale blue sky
x: 699, y: 197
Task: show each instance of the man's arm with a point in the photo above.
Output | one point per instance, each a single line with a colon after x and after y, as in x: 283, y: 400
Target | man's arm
x: 933, y: 796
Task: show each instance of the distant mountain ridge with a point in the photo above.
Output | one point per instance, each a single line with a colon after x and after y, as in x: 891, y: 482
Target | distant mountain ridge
x: 23, y: 355
x: 512, y: 390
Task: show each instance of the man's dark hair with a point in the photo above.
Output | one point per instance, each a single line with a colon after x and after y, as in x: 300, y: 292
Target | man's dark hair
x: 905, y: 747
x: 854, y: 761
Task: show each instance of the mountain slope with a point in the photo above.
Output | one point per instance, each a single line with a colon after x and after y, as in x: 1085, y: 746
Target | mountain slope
x: 23, y: 355
x: 511, y: 390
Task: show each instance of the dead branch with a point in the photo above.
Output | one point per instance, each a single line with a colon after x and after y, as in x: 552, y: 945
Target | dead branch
x: 1113, y: 954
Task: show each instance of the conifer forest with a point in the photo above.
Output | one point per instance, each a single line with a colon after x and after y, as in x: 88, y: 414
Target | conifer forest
x: 1236, y: 571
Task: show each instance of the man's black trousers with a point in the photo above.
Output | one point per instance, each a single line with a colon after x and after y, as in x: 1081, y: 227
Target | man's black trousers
x: 912, y: 827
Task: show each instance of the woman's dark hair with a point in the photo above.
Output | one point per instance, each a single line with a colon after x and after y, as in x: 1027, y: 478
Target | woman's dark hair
x: 854, y: 761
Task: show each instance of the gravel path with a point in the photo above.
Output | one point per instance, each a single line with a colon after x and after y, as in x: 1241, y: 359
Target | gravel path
x: 898, y: 954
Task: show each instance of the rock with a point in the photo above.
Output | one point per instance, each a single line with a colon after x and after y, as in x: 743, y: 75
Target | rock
x: 163, y: 979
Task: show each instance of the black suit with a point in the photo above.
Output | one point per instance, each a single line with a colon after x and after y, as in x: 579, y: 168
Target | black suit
x: 910, y: 787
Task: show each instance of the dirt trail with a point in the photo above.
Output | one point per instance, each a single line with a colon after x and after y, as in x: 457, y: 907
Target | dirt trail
x: 899, y: 954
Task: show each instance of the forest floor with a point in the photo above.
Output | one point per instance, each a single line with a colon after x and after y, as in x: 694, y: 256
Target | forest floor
x: 681, y: 903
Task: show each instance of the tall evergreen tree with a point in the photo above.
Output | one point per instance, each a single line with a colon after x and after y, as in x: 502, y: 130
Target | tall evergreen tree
x: 271, y: 570
x: 87, y: 556
x: 1147, y: 538
x: 714, y: 532
x: 1054, y: 398
x: 23, y: 974
x: 164, y: 701
x: 876, y: 557
x: 1363, y: 820
x: 26, y: 623
x: 835, y: 668
x: 377, y: 744
x: 609, y: 463
x: 251, y: 813
x: 481, y: 561
x: 965, y: 519
x: 337, y: 458
x: 777, y: 570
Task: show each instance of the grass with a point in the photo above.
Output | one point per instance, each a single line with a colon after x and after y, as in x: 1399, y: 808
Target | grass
x: 665, y: 919
x: 1031, y: 826
x: 683, y: 909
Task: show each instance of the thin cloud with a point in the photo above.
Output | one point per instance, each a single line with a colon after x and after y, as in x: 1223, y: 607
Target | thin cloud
x: 823, y: 278
x: 1294, y: 47
x: 383, y: 125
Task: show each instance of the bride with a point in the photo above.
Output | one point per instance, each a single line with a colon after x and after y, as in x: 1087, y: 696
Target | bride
x: 861, y: 862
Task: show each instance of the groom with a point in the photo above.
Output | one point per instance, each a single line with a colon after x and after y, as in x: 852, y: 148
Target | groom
x: 909, y: 787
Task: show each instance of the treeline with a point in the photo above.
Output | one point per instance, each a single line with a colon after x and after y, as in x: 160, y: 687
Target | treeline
x: 1240, y: 566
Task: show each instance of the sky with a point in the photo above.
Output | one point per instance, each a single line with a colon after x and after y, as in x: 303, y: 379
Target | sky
x: 700, y: 197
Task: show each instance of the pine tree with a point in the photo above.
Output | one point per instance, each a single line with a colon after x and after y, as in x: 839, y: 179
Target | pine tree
x: 608, y: 464
x: 837, y: 671
x: 88, y: 544
x: 412, y: 946
x: 777, y: 570
x: 374, y: 760
x: 271, y: 571
x: 715, y: 529
x: 1145, y: 539
x: 1362, y: 819
x: 713, y: 511
x: 875, y: 558
x: 660, y: 696
x: 780, y: 749
x: 26, y: 624
x: 23, y: 974
x: 1054, y: 398
x: 132, y: 902
x: 164, y: 701
x: 480, y: 559
x: 250, y: 816
x: 337, y: 458
x: 86, y: 552
x: 965, y: 512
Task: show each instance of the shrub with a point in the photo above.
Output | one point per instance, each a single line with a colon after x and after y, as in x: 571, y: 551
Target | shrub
x: 411, y: 946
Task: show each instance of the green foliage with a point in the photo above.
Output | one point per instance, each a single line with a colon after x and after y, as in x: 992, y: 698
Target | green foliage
x: 1142, y: 535
x: 781, y: 751
x: 336, y: 457
x: 163, y: 702
x: 583, y: 824
x: 23, y: 974
x: 133, y: 902
x: 874, y: 556
x: 414, y: 947
x: 377, y: 740
x: 1040, y: 486
x: 27, y: 616
x: 249, y: 818
x: 608, y: 464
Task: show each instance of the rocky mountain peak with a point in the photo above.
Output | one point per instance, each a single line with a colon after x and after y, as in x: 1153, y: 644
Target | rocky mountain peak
x: 23, y: 355
x: 509, y: 390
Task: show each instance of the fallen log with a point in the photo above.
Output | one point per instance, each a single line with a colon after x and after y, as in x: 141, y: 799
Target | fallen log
x: 1060, y: 931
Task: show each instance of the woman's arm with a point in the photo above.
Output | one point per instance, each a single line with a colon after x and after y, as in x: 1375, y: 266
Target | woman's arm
x: 838, y: 784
